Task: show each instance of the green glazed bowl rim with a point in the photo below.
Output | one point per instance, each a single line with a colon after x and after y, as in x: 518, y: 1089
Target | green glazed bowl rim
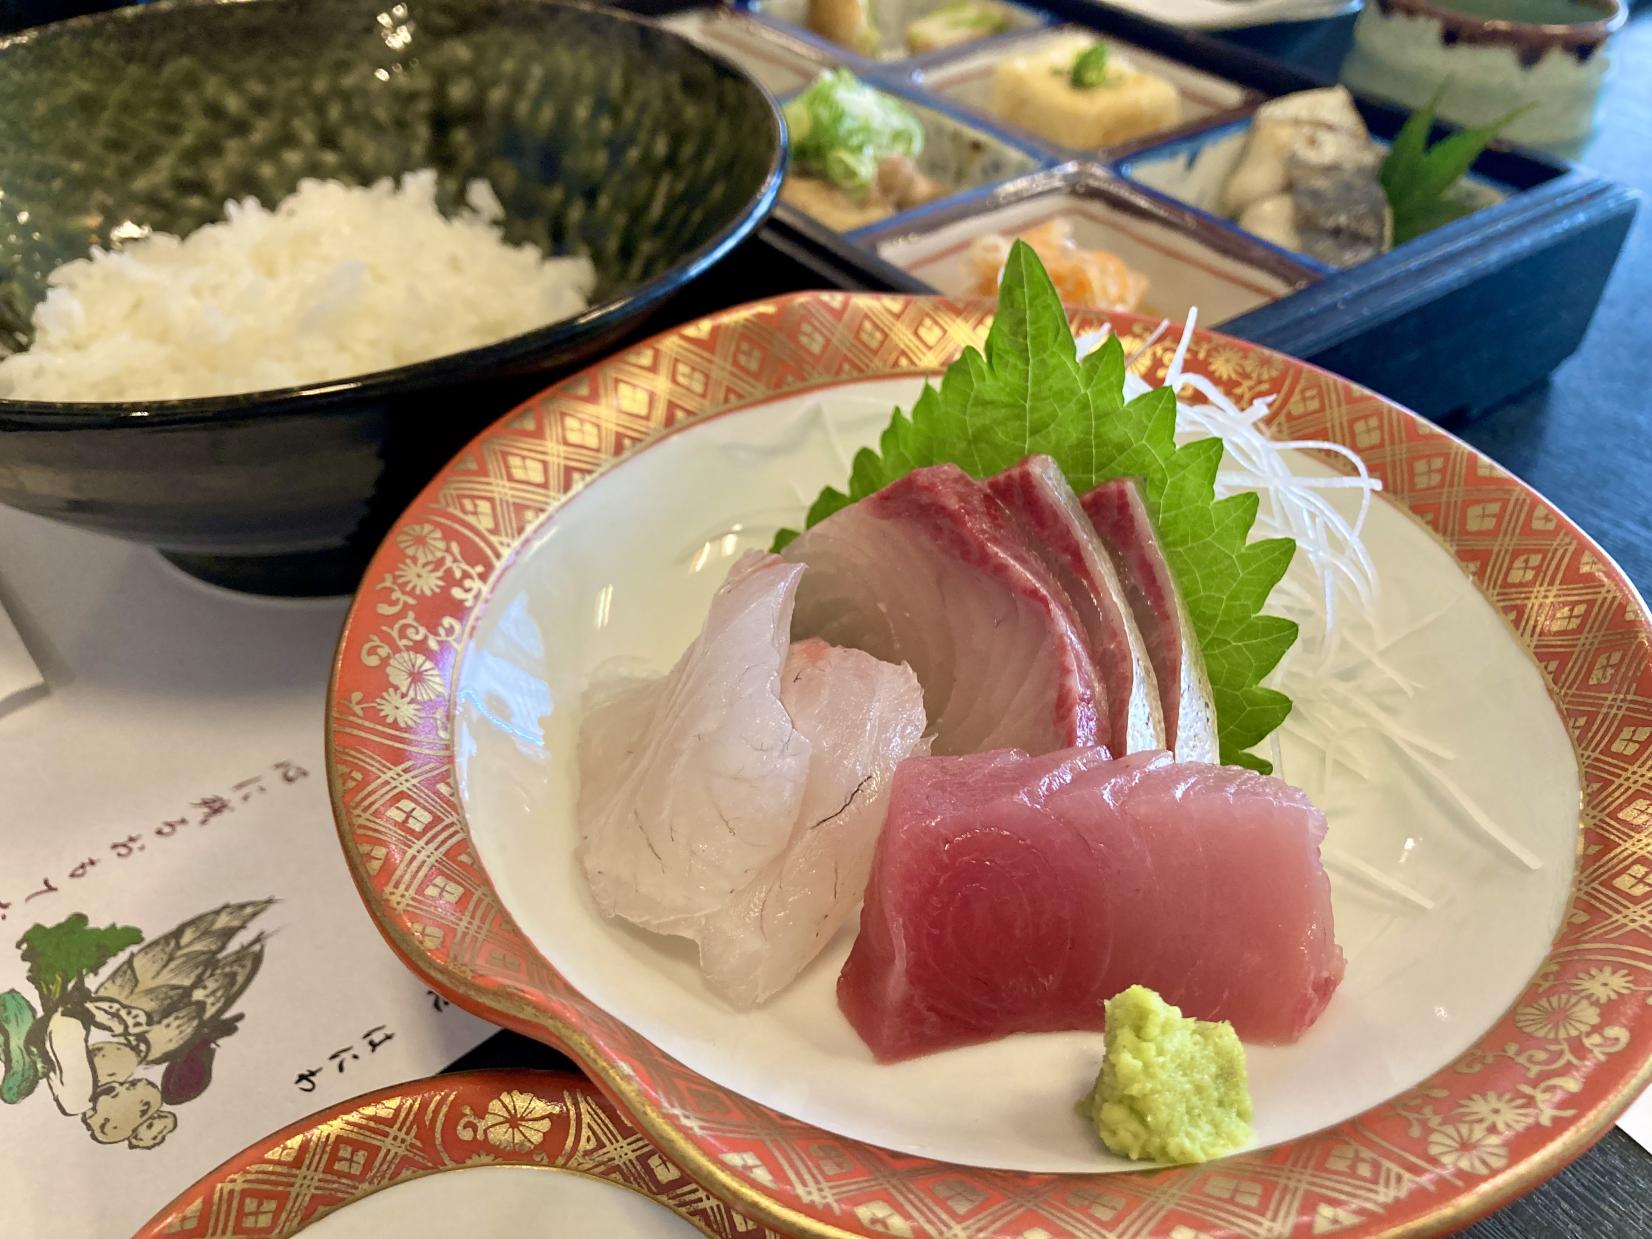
x: 420, y: 375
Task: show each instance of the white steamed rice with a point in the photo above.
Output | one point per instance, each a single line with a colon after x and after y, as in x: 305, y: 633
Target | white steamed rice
x: 336, y: 281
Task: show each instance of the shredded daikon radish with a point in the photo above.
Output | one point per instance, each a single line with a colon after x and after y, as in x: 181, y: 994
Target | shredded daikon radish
x: 1332, y: 574
x: 1350, y: 700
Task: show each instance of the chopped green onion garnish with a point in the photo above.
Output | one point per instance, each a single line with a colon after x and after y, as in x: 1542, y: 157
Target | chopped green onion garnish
x: 1090, y: 69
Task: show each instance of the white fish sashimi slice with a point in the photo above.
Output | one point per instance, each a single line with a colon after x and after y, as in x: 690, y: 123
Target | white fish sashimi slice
x: 862, y: 718
x: 1055, y: 527
x: 931, y: 571
x: 689, y: 784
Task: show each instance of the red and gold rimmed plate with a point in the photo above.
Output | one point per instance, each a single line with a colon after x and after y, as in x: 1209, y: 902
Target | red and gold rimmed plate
x: 1484, y: 761
x: 454, y: 1155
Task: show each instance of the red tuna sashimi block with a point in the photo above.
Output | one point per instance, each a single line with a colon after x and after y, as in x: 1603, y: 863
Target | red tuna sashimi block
x: 1014, y: 894
x: 1120, y: 516
x: 931, y: 571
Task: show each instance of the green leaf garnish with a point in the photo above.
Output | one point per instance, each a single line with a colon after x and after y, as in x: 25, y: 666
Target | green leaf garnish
x: 1090, y: 69
x: 1030, y: 393
x: 59, y: 955
x: 1418, y: 177
x: 840, y: 128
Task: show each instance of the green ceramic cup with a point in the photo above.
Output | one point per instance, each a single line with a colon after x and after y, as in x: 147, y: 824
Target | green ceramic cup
x: 1491, y: 57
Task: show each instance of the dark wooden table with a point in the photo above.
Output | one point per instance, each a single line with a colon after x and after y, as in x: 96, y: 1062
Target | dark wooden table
x: 1583, y: 439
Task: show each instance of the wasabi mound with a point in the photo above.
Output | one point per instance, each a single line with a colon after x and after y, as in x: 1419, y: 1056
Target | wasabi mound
x: 1171, y: 1089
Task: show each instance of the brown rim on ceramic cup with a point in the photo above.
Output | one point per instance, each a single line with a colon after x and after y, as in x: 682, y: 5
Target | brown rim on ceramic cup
x: 1529, y: 39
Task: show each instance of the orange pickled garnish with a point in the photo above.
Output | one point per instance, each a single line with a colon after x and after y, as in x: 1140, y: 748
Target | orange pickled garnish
x: 1082, y: 277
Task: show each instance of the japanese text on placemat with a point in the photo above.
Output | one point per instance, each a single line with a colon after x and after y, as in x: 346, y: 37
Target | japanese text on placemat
x: 370, y: 1041
x: 202, y: 811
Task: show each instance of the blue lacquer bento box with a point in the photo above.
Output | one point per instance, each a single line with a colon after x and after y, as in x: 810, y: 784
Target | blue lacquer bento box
x: 1455, y: 320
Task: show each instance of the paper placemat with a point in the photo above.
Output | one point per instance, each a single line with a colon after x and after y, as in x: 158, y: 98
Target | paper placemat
x: 1637, y: 1121
x: 185, y: 965
x: 18, y: 673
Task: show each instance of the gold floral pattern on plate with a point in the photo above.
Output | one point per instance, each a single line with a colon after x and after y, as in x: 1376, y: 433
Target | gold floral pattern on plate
x: 1531, y: 1093
x: 284, y: 1183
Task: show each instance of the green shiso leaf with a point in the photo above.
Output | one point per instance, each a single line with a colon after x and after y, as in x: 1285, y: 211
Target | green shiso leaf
x: 1030, y: 393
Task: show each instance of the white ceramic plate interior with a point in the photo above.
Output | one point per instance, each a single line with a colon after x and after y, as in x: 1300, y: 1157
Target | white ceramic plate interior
x: 1447, y: 891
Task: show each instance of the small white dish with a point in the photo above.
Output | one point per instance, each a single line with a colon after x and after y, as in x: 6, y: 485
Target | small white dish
x: 890, y: 19
x: 967, y: 79
x: 957, y: 155
x: 1233, y: 14
x: 494, y: 1153
x: 1195, y: 170
x: 1183, y: 268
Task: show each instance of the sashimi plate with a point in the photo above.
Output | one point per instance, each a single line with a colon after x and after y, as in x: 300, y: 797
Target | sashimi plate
x: 1484, y: 762
x: 464, y: 1154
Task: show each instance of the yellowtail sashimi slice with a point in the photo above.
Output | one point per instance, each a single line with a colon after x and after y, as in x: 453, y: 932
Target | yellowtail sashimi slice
x: 931, y: 571
x: 1120, y: 518
x: 1054, y: 524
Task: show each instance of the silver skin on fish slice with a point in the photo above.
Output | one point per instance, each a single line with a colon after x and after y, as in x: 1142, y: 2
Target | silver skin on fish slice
x: 1121, y: 520
x: 1055, y: 528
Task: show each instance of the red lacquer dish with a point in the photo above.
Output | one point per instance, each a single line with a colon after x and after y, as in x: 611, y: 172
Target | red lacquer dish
x: 1488, y: 841
x: 450, y: 1155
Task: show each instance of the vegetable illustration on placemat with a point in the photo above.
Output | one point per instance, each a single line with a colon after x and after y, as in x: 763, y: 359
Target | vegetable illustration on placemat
x: 117, y: 1053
